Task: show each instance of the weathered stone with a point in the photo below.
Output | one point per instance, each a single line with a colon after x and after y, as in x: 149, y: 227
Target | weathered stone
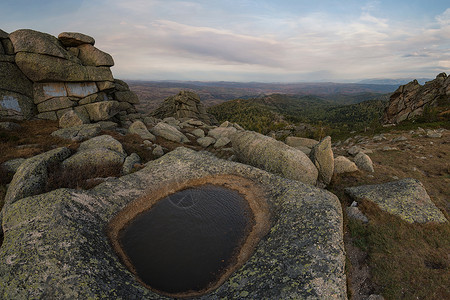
x: 27, y: 40
x: 355, y: 213
x: 8, y: 47
x: 91, y: 56
x: 223, y: 141
x: 45, y: 91
x: 126, y: 96
x: 130, y: 162
x: 107, y: 125
x: 9, y: 126
x: 343, y: 165
x: 206, y: 141
x: 101, y: 111
x: 322, y: 157
x: 219, y: 132
x: 123, y: 106
x: 158, y: 151
x: 11, y: 166
x: 304, y: 149
x: 93, y: 98
x: 7, y: 58
x: 73, y: 39
x: 78, y: 133
x: 271, y: 155
x: 71, y: 118
x: 44, y: 68
x: 81, y: 89
x: 410, y: 100
x: 78, y: 262
x: 363, y: 162
x: 55, y: 104
x: 406, y: 198
x: 105, y: 85
x: 74, y: 51
x: 121, y: 85
x: 31, y: 176
x: 16, y: 106
x: 3, y: 34
x: 294, y: 141
x: 169, y: 133
x: 185, y: 104
x: 198, y: 133
x: 354, y: 150
x: 139, y: 128
x: 13, y: 80
x: 433, y: 134
x: 49, y: 115
x: 100, y: 150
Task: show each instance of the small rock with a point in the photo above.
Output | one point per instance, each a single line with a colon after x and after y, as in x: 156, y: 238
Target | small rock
x: 206, y: 141
x: 219, y: 132
x: 379, y: 138
x: 72, y: 118
x: 12, y: 165
x: 363, y: 162
x: 322, y: 157
x: 433, y: 134
x: 343, y: 165
x: 198, y: 133
x: 169, y: 133
x: 158, y: 151
x: 399, y: 139
x: 139, y: 128
x: 129, y: 163
x: 223, y: 141
x: 147, y: 143
x: 388, y: 148
x: 295, y: 142
x: 354, y: 150
x: 354, y: 213
x: 78, y: 133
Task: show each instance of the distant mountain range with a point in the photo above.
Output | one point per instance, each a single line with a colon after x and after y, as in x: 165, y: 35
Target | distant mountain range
x: 398, y: 82
x: 152, y: 93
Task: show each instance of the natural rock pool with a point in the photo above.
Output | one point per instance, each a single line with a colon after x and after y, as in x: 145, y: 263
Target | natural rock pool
x: 188, y: 241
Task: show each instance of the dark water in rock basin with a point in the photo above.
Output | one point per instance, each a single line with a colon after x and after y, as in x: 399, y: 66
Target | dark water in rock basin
x: 186, y: 240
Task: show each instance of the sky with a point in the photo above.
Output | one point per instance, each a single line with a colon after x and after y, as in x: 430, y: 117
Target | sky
x: 249, y: 40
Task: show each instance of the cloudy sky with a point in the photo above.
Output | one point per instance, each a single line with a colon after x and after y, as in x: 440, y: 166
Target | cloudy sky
x: 252, y: 40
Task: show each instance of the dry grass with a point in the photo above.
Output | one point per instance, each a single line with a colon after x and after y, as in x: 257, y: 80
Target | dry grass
x: 31, y: 139
x: 85, y: 177
x: 406, y: 261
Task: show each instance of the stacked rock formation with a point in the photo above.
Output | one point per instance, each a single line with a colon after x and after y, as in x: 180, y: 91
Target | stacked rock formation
x: 410, y: 100
x: 46, y: 77
x: 184, y: 105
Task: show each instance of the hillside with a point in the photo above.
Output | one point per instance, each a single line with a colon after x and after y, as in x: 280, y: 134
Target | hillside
x: 339, y: 112
x: 152, y: 93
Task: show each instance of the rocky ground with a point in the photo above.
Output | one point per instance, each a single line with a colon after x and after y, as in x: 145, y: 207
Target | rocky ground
x: 420, y: 154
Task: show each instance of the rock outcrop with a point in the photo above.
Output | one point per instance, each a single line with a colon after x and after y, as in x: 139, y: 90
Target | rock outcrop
x: 184, y: 105
x: 55, y: 243
x: 410, y: 100
x: 406, y: 198
x: 45, y: 77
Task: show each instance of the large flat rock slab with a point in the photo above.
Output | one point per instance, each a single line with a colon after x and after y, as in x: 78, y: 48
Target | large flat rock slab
x: 55, y: 244
x: 406, y: 198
